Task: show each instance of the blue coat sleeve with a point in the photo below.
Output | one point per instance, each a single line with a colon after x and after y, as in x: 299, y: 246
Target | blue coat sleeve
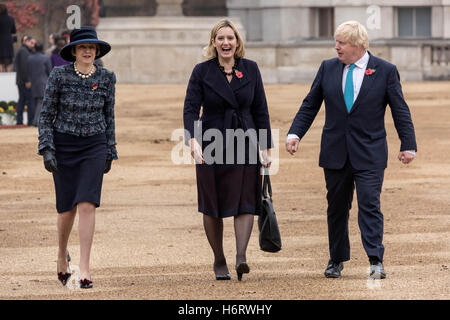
x: 260, y: 113
x: 400, y: 112
x: 192, y: 104
x: 310, y: 106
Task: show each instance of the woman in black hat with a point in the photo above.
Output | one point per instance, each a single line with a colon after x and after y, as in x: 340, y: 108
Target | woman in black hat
x: 77, y: 141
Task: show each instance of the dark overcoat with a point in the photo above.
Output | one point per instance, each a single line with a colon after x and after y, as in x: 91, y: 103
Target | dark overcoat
x: 226, y: 189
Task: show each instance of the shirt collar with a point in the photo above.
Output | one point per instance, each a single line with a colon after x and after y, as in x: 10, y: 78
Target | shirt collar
x: 362, y: 63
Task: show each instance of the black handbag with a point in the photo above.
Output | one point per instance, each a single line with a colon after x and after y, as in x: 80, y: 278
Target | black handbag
x: 269, y: 233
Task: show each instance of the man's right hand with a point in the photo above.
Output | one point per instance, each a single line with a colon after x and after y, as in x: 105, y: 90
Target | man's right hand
x: 292, y: 145
x: 50, y: 161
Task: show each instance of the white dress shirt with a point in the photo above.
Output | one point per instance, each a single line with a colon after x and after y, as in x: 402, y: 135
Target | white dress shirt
x: 358, y: 74
x: 358, y: 77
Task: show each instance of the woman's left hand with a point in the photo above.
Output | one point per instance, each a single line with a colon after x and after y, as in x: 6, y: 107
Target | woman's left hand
x: 266, y: 158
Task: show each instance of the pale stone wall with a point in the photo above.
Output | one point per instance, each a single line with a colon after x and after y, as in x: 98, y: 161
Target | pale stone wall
x: 8, y: 87
x: 156, y: 49
x: 280, y: 37
x: 291, y: 64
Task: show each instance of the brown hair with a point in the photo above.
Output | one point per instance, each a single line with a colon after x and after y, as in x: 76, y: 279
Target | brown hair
x: 211, y: 52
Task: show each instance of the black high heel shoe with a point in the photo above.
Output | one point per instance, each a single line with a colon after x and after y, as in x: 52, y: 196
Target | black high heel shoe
x: 63, y: 277
x: 225, y: 276
x: 86, y: 284
x: 242, y: 268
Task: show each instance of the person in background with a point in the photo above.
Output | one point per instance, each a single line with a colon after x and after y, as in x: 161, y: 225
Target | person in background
x: 66, y: 35
x: 23, y: 80
x: 7, y: 38
x: 52, y: 41
x: 39, y: 68
x: 55, y: 57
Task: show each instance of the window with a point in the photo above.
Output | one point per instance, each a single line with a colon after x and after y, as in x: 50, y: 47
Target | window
x: 323, y: 23
x: 414, y: 22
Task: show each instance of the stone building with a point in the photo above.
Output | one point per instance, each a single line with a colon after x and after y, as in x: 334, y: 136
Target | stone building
x: 161, y: 40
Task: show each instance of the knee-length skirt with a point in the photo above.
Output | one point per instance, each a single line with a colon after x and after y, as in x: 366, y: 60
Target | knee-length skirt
x: 81, y: 163
x: 228, y: 190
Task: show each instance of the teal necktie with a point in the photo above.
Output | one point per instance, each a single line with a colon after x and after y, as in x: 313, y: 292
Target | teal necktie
x: 349, y: 91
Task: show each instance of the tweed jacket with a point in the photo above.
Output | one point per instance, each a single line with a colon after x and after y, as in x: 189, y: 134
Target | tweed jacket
x: 81, y: 107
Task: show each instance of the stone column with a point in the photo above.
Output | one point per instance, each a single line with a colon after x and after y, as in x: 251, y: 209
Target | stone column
x: 169, y: 8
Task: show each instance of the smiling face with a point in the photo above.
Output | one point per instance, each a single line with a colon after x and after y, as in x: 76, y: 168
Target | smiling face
x: 85, y: 53
x: 347, y: 53
x: 225, y: 43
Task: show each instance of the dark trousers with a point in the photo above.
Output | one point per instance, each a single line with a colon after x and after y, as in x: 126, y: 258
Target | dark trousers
x: 340, y: 186
x: 25, y: 98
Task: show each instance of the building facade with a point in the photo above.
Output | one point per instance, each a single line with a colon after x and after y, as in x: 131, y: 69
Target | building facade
x: 288, y: 38
x: 292, y: 37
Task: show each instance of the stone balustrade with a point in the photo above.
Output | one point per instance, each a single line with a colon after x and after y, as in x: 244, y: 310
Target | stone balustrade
x: 435, y: 61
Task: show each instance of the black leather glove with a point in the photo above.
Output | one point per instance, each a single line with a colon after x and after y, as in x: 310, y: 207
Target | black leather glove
x: 50, y: 161
x: 107, y: 166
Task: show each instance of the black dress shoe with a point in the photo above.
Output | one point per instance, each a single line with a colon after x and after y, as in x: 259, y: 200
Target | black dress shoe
x: 242, y: 268
x: 377, y: 270
x: 223, y: 276
x: 334, y: 269
x: 86, y: 284
x: 63, y: 277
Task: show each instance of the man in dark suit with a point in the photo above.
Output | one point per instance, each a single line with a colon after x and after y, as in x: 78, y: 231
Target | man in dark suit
x: 356, y: 87
x: 39, y: 68
x: 22, y: 79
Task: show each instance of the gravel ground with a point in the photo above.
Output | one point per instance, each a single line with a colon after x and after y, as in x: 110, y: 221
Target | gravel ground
x: 149, y: 241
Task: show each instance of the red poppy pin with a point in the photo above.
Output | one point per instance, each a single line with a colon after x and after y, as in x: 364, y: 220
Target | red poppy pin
x: 95, y: 86
x: 370, y: 71
x: 238, y: 73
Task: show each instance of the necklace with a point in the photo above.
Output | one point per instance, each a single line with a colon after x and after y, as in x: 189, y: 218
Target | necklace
x: 84, y: 75
x: 222, y: 68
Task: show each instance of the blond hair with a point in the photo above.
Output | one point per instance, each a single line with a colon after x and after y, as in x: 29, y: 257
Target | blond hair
x: 211, y: 52
x: 354, y: 33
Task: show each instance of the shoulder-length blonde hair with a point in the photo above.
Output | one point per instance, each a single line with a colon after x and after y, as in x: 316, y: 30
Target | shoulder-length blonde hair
x: 354, y: 33
x: 210, y: 52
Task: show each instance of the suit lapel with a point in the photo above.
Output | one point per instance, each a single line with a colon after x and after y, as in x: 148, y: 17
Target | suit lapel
x: 217, y: 82
x: 338, y: 82
x: 237, y: 83
x: 367, y: 82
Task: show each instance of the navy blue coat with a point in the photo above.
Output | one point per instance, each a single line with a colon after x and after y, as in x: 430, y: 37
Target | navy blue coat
x: 359, y: 135
x: 238, y: 104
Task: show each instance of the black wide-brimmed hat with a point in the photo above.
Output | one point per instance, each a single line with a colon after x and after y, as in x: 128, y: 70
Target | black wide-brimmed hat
x: 84, y: 35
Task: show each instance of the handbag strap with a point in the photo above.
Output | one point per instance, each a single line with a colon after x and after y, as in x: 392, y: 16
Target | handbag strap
x: 266, y: 184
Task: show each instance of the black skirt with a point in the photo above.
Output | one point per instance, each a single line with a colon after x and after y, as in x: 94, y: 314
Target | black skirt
x: 228, y: 190
x: 81, y: 162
